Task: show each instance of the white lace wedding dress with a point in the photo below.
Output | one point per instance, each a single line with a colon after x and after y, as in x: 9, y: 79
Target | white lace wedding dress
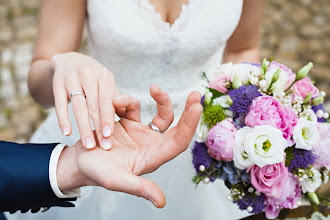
x: 132, y: 40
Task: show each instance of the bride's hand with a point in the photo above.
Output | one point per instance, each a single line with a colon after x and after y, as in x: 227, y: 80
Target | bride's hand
x: 137, y: 150
x: 74, y: 72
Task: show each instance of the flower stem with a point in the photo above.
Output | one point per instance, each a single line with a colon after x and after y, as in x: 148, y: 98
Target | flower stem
x: 290, y: 86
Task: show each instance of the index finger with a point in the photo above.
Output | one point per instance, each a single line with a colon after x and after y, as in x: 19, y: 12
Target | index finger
x: 187, y: 126
x: 177, y: 139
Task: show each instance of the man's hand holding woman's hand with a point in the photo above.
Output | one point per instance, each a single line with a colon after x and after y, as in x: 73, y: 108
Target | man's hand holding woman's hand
x: 137, y: 149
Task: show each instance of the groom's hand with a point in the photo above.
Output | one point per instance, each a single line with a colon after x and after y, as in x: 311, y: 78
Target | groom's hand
x: 137, y: 150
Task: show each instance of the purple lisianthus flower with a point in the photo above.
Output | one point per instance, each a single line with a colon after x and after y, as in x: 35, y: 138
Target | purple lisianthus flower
x: 301, y: 159
x: 201, y: 156
x: 257, y: 203
x: 242, y: 98
x: 315, y: 108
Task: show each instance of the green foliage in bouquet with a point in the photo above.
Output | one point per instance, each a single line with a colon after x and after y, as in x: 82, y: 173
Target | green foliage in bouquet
x: 212, y: 115
x: 204, y: 77
x: 216, y: 93
x: 197, y: 178
x: 289, y: 155
x: 212, y: 171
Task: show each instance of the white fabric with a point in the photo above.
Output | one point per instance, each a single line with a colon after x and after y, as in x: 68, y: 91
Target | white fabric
x: 129, y: 38
x: 53, y: 162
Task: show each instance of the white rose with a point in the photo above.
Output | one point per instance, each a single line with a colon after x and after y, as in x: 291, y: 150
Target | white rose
x: 222, y: 101
x: 265, y: 145
x: 244, y: 70
x: 202, y: 132
x: 311, y: 185
x: 226, y: 68
x: 280, y: 84
x: 305, y: 134
x: 241, y: 159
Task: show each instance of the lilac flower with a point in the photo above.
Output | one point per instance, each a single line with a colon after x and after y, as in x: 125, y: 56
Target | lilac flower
x: 254, y: 64
x: 315, y: 108
x: 201, y: 156
x: 301, y: 159
x: 242, y: 99
x: 257, y: 203
x: 202, y: 99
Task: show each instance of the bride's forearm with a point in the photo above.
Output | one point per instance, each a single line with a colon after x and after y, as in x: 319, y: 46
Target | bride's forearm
x: 251, y: 55
x: 41, y: 82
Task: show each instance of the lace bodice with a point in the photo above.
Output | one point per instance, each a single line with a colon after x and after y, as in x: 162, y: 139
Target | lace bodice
x: 130, y: 38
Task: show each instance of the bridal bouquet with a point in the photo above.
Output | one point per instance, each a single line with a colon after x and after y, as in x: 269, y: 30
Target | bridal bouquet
x: 265, y: 133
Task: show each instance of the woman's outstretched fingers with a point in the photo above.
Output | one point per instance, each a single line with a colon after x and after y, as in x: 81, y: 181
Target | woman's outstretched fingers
x: 127, y: 106
x: 106, y: 94
x: 165, y: 115
x: 92, y: 94
x: 81, y: 114
x: 61, y: 108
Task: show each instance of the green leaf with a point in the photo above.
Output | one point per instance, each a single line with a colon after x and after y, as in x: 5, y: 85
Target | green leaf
x: 197, y: 178
x: 204, y: 77
x: 289, y: 155
x: 216, y: 93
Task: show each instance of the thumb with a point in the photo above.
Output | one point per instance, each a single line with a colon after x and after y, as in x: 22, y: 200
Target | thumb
x: 141, y: 187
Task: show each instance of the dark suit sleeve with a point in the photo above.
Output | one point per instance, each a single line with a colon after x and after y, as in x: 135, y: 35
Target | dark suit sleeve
x: 24, y: 178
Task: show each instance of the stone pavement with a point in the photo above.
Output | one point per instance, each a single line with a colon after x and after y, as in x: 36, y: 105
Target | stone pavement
x: 294, y: 32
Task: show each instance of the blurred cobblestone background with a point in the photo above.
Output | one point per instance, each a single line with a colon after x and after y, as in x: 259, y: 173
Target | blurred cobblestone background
x: 294, y: 32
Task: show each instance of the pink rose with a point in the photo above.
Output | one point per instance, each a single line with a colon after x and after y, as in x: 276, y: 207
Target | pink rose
x: 291, y: 193
x: 221, y: 140
x: 266, y: 110
x: 270, y: 179
x: 289, y: 198
x: 219, y: 82
x: 281, y: 66
x: 272, y: 209
x: 322, y: 149
x: 303, y: 87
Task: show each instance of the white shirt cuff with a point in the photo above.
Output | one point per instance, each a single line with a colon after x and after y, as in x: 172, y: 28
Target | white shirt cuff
x: 52, y: 175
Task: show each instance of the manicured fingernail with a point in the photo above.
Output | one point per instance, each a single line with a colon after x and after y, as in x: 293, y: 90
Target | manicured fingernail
x: 89, y: 143
x: 117, y: 98
x: 65, y: 131
x: 106, y: 131
x: 106, y: 144
x: 153, y: 202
